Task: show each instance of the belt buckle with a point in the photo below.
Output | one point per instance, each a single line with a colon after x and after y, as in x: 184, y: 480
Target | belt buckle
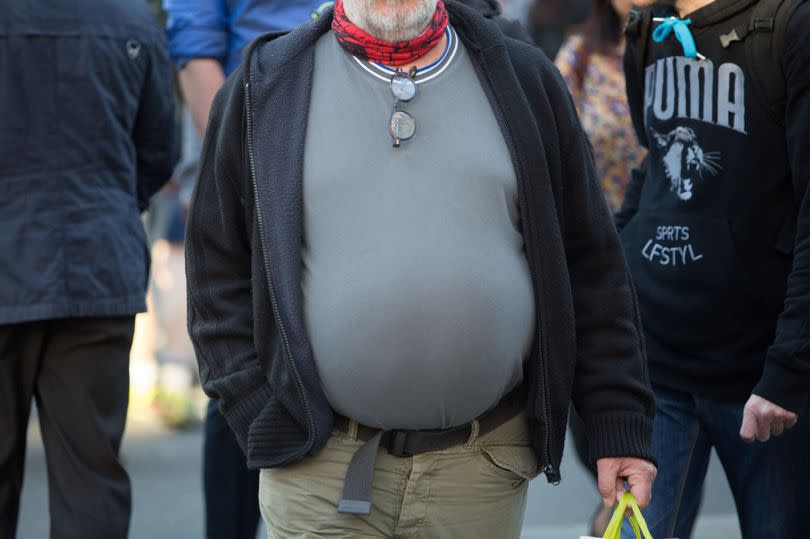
x: 397, y: 442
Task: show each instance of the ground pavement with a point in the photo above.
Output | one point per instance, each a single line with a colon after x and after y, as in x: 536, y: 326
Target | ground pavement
x: 165, y: 470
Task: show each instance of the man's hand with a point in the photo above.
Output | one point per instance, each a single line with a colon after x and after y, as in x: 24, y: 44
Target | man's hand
x: 613, y: 472
x: 763, y: 419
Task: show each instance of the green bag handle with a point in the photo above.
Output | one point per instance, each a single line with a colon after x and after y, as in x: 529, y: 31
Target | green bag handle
x: 614, y: 529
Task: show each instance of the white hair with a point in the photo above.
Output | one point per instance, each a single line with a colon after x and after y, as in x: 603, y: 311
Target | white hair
x: 391, y: 20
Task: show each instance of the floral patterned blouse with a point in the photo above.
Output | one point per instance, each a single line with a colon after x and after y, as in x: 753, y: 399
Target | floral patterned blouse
x: 596, y: 82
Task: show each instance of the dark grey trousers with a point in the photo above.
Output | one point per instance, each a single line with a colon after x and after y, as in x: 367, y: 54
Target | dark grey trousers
x: 78, y: 372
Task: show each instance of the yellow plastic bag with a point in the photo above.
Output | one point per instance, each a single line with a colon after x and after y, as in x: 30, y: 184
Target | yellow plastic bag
x: 614, y: 529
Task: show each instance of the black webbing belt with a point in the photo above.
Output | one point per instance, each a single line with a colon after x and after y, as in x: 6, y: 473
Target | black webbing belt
x: 356, y: 498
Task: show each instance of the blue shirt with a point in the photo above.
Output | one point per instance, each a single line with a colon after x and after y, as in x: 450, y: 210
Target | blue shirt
x: 220, y: 29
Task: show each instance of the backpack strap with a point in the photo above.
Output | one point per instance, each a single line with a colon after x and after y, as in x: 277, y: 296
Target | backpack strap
x: 637, y: 31
x: 764, y: 37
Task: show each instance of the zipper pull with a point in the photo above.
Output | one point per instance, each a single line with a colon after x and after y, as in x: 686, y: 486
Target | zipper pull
x: 552, y: 474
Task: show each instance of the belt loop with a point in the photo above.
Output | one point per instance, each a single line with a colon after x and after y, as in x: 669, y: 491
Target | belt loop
x: 474, y: 430
x: 354, y: 426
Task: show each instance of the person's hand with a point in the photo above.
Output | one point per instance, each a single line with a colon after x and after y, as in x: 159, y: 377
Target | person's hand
x: 763, y: 419
x: 613, y: 472
x: 171, y: 186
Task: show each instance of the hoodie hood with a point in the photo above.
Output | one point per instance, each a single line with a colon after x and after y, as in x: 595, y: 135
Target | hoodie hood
x: 488, y: 8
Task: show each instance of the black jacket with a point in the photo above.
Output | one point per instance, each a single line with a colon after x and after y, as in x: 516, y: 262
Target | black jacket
x: 86, y: 134
x: 245, y: 232
x: 716, y: 225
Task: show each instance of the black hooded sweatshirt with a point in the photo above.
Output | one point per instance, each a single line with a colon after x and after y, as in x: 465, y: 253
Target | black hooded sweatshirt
x: 716, y: 224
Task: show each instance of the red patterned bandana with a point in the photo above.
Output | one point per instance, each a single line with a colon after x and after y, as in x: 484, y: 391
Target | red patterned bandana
x: 358, y: 42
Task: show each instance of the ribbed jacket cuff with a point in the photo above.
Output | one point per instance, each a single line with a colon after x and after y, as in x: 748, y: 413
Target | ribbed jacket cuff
x: 241, y: 414
x: 620, y: 435
x: 783, y: 387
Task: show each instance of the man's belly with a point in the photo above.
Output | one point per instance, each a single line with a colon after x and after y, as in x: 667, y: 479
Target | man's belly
x: 411, y: 348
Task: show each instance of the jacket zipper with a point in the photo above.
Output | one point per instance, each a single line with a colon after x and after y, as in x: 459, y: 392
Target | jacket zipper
x: 548, y: 468
x: 298, y: 382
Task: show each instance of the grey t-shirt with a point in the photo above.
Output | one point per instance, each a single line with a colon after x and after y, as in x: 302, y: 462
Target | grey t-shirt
x: 418, y: 299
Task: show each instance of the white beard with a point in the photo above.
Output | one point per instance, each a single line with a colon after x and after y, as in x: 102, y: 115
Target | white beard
x: 404, y: 24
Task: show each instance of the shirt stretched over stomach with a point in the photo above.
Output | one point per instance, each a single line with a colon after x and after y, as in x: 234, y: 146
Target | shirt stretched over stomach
x: 418, y: 299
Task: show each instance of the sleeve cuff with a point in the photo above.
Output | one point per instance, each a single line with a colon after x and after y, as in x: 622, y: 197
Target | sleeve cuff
x: 190, y: 43
x: 783, y: 387
x: 241, y: 414
x: 620, y: 435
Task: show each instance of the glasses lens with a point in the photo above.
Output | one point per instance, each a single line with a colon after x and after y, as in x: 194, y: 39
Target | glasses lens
x: 401, y: 125
x: 403, y: 87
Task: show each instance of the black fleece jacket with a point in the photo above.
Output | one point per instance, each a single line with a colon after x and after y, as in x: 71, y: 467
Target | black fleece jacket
x: 716, y: 225
x: 244, y: 264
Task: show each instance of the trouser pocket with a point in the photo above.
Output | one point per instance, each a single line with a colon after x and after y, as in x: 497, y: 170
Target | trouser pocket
x: 507, y: 451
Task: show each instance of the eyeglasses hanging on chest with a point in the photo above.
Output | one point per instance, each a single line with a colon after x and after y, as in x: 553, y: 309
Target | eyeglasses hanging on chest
x: 402, y: 124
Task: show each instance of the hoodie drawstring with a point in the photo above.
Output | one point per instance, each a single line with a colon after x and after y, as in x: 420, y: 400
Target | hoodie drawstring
x: 682, y: 33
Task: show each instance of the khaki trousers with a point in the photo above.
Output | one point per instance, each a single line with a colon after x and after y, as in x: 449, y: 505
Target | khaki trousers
x: 475, y: 490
